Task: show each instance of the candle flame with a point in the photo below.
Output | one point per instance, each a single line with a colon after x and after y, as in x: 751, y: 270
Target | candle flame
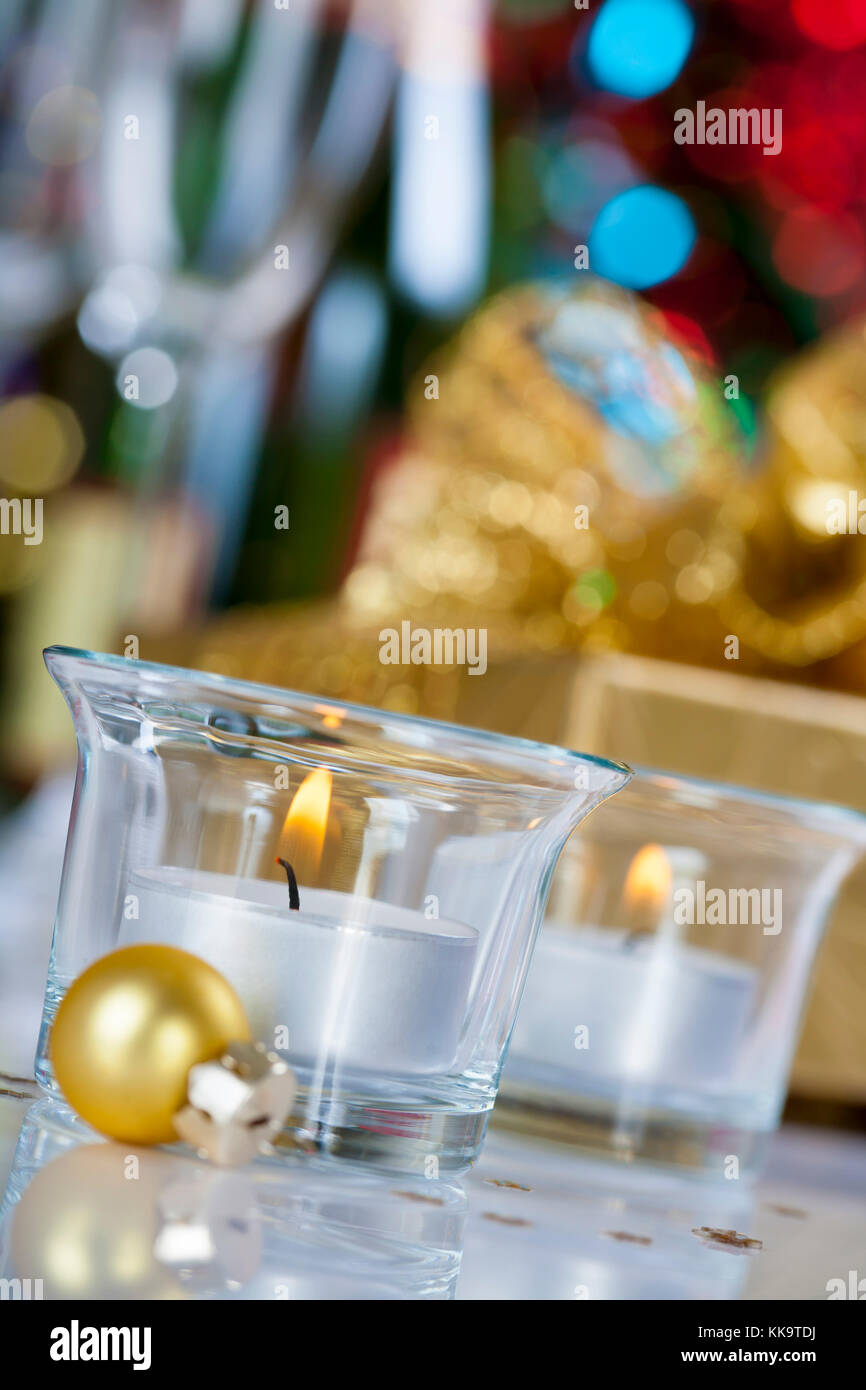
x: 303, y: 837
x: 332, y: 718
x: 649, y: 881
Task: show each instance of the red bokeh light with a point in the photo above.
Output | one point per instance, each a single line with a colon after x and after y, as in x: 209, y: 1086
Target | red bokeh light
x: 819, y: 254
x: 838, y: 24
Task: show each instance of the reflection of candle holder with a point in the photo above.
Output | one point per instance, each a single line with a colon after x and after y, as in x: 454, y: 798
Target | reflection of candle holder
x: 194, y: 792
x: 75, y: 1226
x: 666, y: 991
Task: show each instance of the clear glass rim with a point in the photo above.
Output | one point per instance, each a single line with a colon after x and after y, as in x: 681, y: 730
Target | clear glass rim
x: 543, y: 768
x: 842, y: 822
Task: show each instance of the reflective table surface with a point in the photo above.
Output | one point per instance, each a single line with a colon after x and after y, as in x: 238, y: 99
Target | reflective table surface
x: 529, y: 1221
x: 91, y: 1219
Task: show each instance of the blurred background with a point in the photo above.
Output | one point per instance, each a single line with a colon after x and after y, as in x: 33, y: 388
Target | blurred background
x: 318, y: 317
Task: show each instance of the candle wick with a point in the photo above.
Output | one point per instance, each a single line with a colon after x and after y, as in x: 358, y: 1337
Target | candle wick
x: 294, y: 895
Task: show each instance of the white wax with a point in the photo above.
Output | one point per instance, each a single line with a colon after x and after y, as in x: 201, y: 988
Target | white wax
x: 358, y: 982
x: 656, y: 1010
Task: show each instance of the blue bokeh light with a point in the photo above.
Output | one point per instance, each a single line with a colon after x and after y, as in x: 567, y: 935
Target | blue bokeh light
x: 637, y: 47
x: 641, y: 237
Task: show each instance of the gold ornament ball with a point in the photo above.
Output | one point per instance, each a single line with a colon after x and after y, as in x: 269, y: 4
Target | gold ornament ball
x: 128, y: 1031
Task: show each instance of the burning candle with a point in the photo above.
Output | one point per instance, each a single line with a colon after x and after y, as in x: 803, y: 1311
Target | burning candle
x: 632, y: 1003
x: 354, y: 981
x: 647, y: 888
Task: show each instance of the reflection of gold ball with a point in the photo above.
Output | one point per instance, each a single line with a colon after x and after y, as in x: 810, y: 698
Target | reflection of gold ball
x: 86, y: 1227
x: 128, y: 1032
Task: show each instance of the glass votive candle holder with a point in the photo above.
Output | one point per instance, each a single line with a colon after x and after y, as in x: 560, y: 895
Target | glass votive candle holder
x: 303, y: 849
x: 666, y: 992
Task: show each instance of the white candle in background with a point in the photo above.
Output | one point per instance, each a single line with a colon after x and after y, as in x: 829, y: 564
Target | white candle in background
x: 656, y: 1009
x: 671, y: 1015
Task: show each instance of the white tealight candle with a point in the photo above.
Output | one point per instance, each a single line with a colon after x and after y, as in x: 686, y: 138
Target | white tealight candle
x: 653, y: 1010
x: 357, y: 981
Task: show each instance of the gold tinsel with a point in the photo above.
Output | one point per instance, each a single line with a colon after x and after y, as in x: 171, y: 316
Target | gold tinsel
x: 575, y: 479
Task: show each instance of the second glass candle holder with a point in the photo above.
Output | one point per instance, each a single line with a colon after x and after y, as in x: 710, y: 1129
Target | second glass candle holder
x: 665, y: 996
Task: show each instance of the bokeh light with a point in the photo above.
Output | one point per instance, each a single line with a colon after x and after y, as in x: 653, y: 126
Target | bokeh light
x: 817, y: 253
x: 838, y: 24
x: 641, y: 237
x: 41, y: 443
x: 580, y: 179
x: 64, y: 126
x: 147, y: 378
x: 115, y: 309
x: 637, y: 47
x: 592, y: 591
